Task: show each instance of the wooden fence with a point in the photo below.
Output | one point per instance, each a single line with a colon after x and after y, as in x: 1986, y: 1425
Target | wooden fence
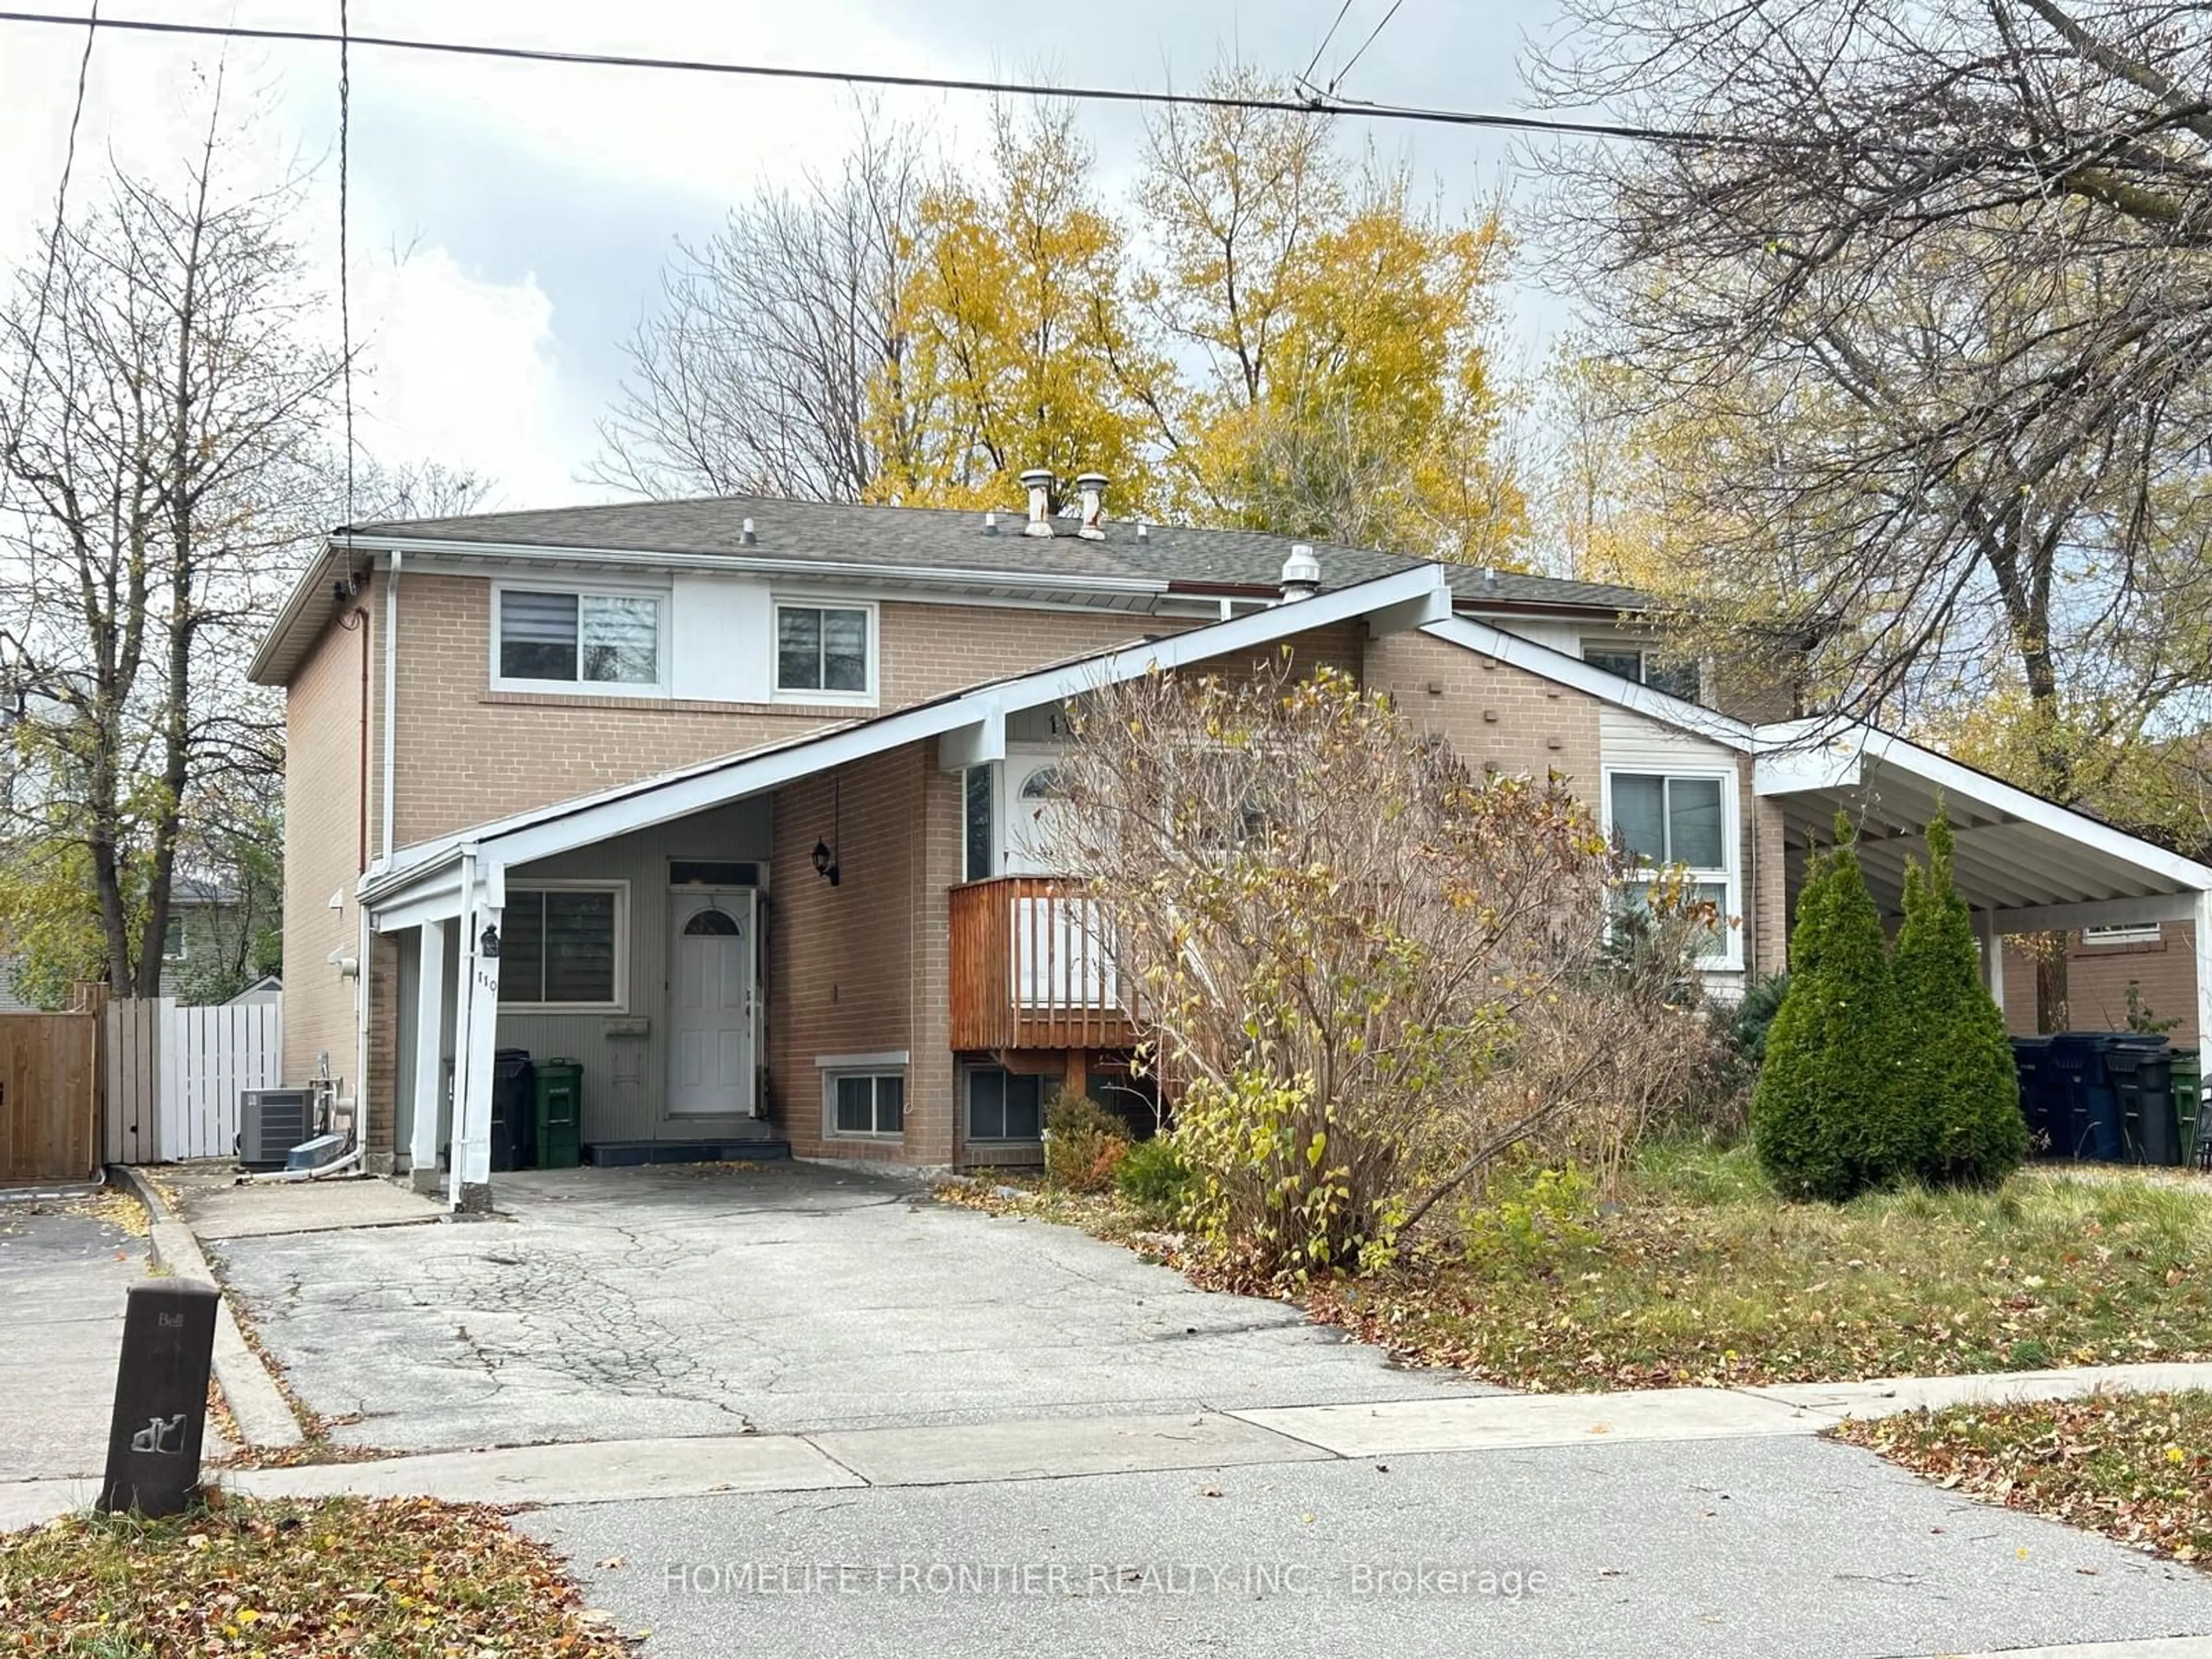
x: 49, y: 1098
x: 174, y: 1075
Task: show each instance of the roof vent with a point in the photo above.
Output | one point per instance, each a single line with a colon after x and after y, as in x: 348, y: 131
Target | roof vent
x: 1490, y: 575
x: 990, y: 524
x: 745, y: 533
x: 1093, y: 485
x: 1038, y: 482
x: 1301, y: 574
x: 1144, y: 531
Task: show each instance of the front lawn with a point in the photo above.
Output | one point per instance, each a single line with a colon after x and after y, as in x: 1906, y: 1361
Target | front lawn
x: 395, y: 1576
x: 2137, y: 1467
x: 1696, y: 1273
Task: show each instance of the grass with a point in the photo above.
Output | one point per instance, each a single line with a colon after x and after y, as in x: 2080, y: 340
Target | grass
x: 392, y: 1577
x: 1700, y: 1275
x: 2136, y: 1468
x: 1696, y: 1273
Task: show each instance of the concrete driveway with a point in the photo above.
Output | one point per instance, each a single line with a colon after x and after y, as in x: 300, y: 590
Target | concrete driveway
x: 620, y: 1304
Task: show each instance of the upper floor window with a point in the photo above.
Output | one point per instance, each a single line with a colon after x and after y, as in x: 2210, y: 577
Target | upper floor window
x: 609, y: 641
x: 825, y: 651
x: 2121, y: 933
x: 1678, y: 677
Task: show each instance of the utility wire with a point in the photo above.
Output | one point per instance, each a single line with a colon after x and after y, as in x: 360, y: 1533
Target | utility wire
x: 61, y: 221
x: 1342, y: 75
x: 1306, y: 80
x: 1309, y: 105
x: 345, y: 297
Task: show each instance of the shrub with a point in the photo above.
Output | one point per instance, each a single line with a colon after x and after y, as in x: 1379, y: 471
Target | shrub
x: 1529, y: 1220
x: 1083, y: 1144
x: 1154, y: 1176
x: 1752, y: 1018
x: 1963, y: 1082
x: 1831, y: 1116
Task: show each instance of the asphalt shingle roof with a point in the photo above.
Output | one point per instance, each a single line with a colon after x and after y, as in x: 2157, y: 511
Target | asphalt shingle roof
x: 942, y: 538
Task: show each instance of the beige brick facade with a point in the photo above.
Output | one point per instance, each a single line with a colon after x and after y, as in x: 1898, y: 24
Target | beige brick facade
x: 1492, y: 714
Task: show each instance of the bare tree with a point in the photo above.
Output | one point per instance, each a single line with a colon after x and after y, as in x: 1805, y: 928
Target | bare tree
x: 1938, y: 295
x: 159, y: 410
x: 766, y: 367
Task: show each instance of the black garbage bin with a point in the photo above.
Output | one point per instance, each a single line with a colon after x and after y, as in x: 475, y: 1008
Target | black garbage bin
x: 2141, y: 1064
x: 514, y: 1110
x: 2085, y: 1109
x: 2039, y: 1083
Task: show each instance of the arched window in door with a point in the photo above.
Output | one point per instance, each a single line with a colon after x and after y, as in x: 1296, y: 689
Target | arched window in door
x: 712, y: 924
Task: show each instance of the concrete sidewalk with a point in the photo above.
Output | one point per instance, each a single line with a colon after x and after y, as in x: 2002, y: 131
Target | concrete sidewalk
x: 64, y: 1275
x: 1062, y: 1448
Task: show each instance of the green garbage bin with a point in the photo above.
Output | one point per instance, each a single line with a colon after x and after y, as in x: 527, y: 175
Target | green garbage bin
x: 560, y: 1114
x: 2188, y: 1089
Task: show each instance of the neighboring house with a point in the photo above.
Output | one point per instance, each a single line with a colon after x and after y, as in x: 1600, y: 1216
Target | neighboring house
x: 726, y: 800
x: 201, y: 913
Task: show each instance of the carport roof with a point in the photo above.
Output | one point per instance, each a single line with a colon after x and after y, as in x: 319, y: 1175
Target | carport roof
x: 2031, y: 864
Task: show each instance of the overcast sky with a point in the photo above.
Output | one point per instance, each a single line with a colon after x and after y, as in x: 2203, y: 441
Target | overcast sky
x: 509, y: 221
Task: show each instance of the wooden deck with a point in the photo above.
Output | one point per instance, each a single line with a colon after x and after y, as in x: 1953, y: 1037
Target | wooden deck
x: 1027, y: 969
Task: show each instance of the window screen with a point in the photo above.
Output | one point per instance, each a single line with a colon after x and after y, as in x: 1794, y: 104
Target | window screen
x: 821, y: 648
x: 558, y: 946
x: 870, y: 1105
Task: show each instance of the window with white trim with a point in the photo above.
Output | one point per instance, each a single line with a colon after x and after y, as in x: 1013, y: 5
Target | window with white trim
x: 1668, y: 820
x: 2121, y: 933
x: 570, y: 639
x: 1678, y: 677
x: 871, y: 1103
x: 175, y: 940
x: 825, y: 651
x: 979, y: 829
x: 1004, y: 1105
x: 564, y: 947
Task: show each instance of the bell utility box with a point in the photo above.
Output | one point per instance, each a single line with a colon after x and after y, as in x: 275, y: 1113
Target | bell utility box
x: 270, y: 1123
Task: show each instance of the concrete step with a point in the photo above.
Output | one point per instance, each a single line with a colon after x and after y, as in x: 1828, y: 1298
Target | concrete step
x: 622, y: 1154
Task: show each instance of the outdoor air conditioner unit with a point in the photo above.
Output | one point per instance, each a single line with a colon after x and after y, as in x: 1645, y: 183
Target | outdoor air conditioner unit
x: 270, y: 1123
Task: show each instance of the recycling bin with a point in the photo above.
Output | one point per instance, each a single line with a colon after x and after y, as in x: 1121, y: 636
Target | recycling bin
x: 560, y: 1114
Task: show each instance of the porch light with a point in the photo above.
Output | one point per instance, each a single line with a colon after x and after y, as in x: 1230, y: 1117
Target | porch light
x: 826, y: 863
x: 488, y: 944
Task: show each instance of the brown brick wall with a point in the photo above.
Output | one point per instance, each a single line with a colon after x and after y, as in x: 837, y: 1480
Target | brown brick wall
x: 468, y: 753
x: 2097, y: 978
x: 323, y: 818
x: 1766, y: 879
x: 1491, y: 713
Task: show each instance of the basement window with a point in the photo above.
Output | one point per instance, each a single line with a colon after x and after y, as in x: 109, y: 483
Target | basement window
x: 1004, y: 1105
x: 871, y: 1103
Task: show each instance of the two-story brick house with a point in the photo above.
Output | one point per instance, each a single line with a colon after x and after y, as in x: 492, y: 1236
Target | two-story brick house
x: 726, y: 800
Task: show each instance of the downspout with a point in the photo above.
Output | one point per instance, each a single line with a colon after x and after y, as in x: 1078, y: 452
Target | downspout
x: 391, y: 677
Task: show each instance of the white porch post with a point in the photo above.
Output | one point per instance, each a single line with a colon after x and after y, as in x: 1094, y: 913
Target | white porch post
x: 469, y: 1185
x: 429, y: 1026
x: 1985, y: 929
x: 2203, y: 966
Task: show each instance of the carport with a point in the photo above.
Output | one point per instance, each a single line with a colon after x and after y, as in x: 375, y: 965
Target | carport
x: 2023, y: 864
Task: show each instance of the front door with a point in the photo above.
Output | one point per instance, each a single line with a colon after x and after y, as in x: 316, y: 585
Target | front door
x: 710, y: 1003
x: 1035, y: 800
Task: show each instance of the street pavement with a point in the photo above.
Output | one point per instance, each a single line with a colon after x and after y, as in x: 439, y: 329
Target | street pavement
x: 1784, y: 1545
x: 64, y: 1274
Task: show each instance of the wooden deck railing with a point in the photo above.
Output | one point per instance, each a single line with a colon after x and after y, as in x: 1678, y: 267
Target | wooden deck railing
x: 1028, y: 968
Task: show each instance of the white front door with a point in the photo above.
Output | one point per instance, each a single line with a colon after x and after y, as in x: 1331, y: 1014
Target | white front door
x: 1034, y: 798
x: 710, y: 1003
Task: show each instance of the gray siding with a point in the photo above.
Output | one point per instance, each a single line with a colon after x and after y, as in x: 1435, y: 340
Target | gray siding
x: 625, y: 1078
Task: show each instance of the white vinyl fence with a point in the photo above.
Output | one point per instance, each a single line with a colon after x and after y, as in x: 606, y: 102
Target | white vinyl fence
x: 178, y: 1071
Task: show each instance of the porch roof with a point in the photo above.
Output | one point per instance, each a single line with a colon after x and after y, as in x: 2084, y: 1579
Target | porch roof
x: 2028, y: 865
x: 425, y: 882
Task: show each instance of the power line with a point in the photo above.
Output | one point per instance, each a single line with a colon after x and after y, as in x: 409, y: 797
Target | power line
x: 1306, y: 80
x: 345, y: 297
x: 61, y: 215
x: 1338, y: 78
x: 1311, y: 106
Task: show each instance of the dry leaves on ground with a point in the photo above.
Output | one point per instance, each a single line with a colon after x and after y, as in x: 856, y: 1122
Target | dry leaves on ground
x: 2136, y: 1468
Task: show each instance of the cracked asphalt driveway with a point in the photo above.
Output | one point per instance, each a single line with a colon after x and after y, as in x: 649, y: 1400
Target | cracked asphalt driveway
x: 620, y: 1304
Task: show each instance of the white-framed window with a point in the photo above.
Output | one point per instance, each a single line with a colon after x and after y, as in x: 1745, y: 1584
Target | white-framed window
x: 870, y: 1104
x: 175, y: 940
x: 2121, y: 933
x: 564, y: 947
x: 1004, y: 1105
x: 1678, y: 677
x: 1686, y: 818
x: 825, y: 651
x: 546, y: 639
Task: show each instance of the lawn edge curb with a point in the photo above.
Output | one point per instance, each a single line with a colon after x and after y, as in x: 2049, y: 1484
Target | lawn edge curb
x: 257, y: 1405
